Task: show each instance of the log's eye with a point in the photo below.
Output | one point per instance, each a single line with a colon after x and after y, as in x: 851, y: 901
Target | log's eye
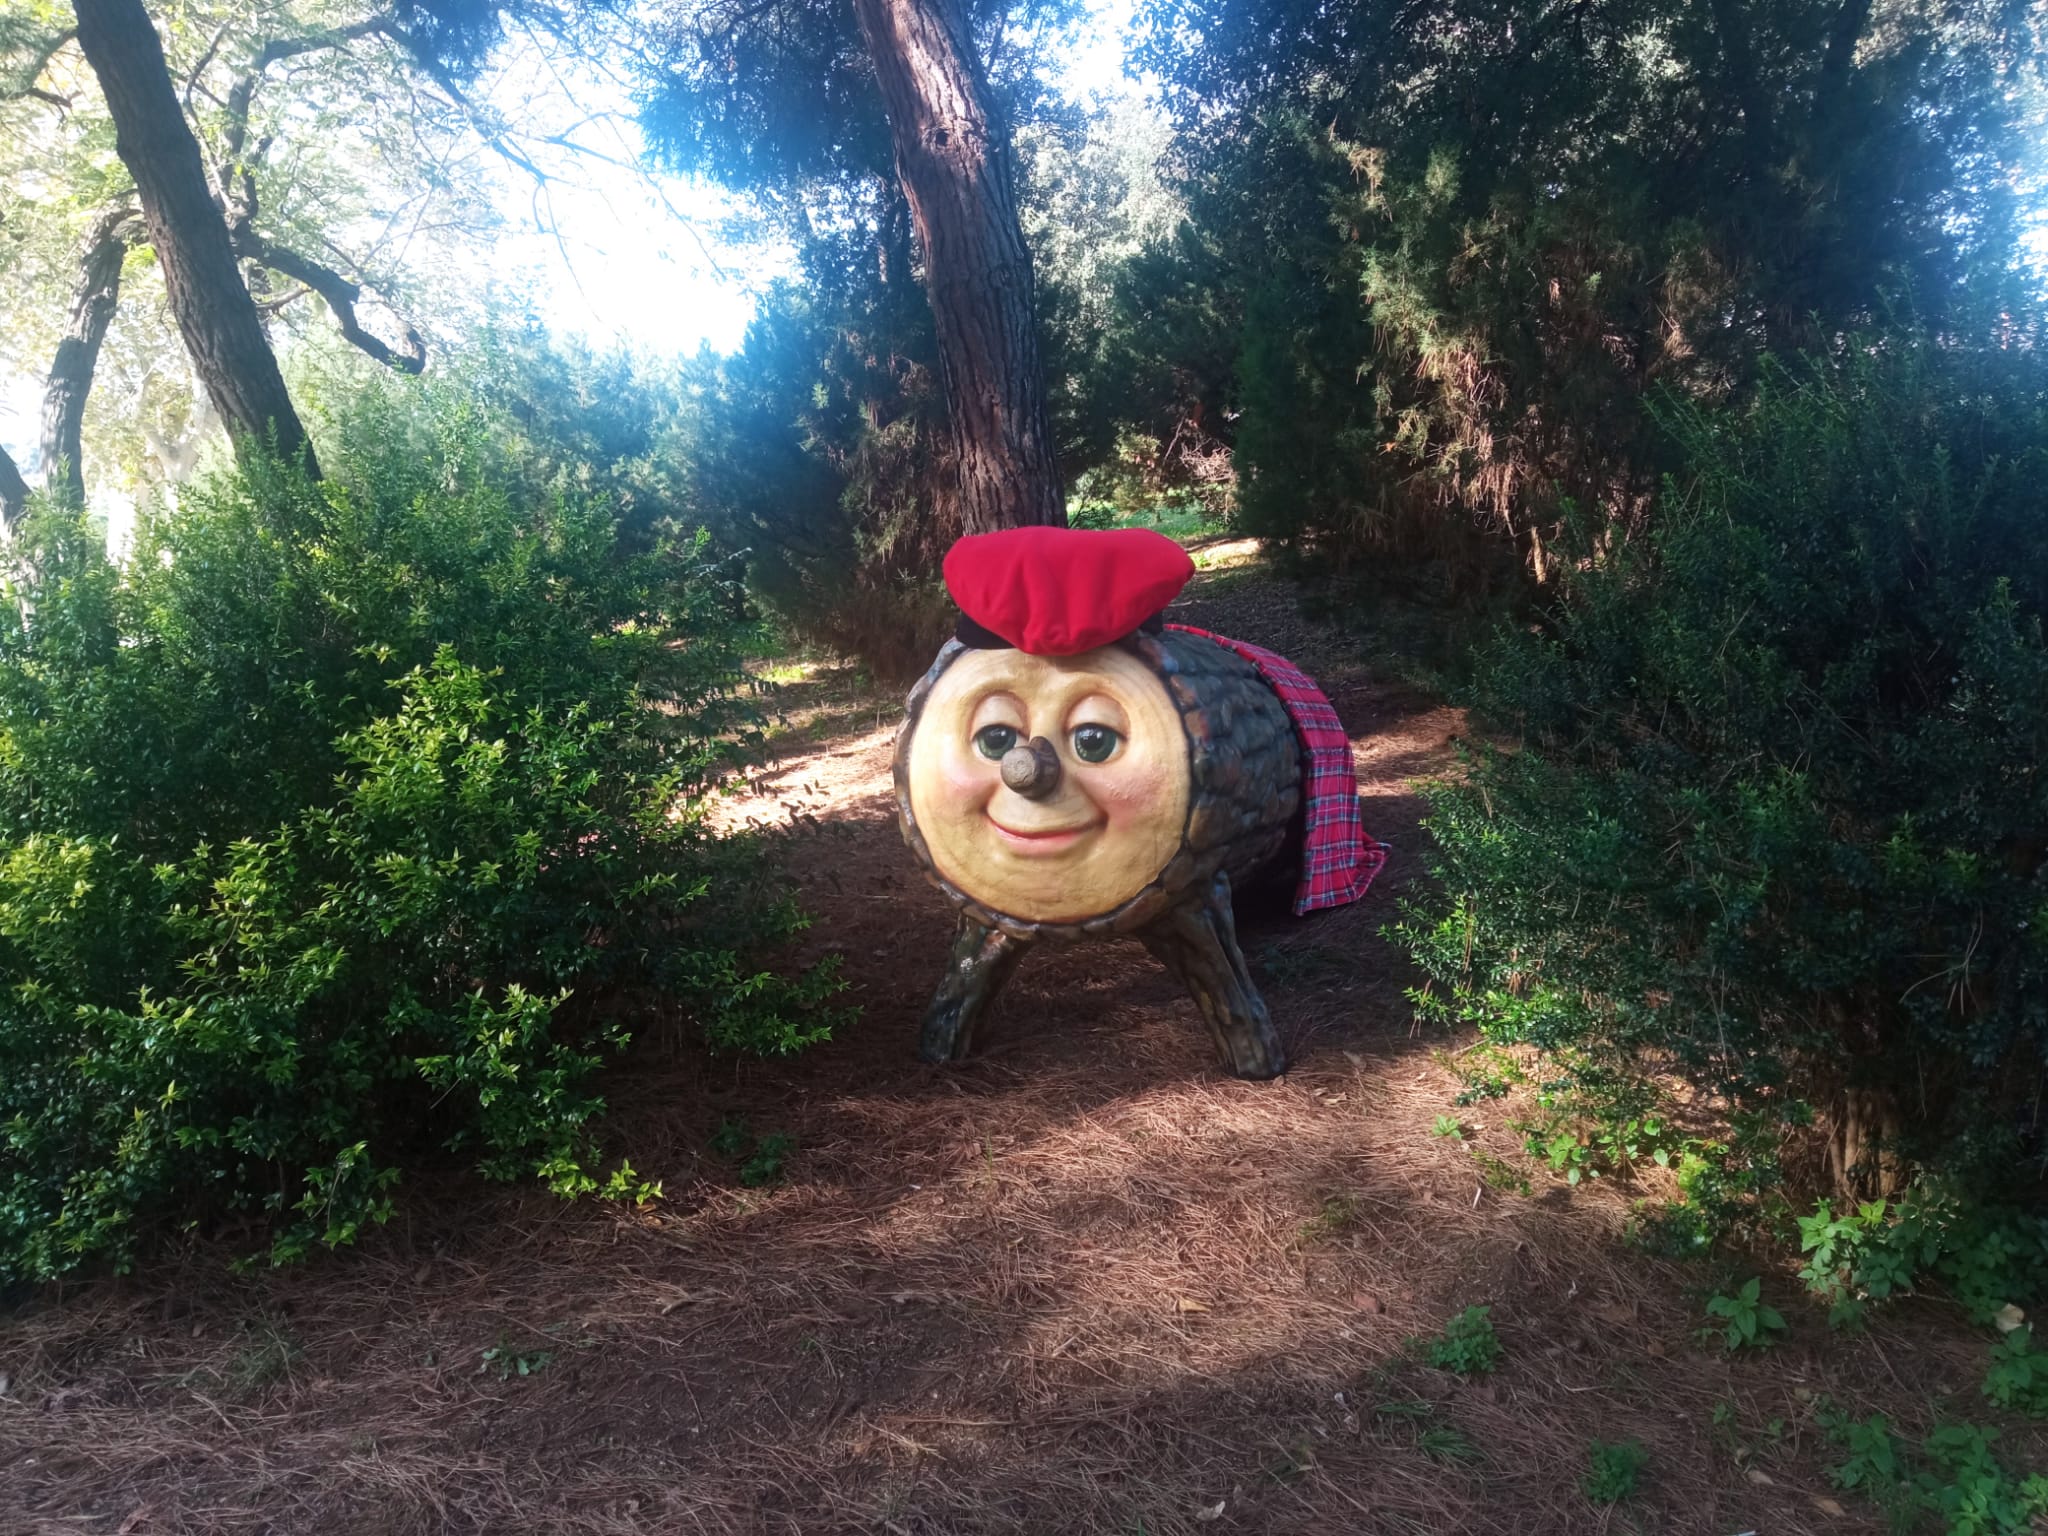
x: 992, y: 741
x: 1095, y: 743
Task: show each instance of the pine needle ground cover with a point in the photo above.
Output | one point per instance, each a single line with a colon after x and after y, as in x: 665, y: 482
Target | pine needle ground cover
x: 1080, y: 1283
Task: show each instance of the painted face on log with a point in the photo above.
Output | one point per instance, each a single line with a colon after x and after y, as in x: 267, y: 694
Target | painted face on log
x: 1052, y: 788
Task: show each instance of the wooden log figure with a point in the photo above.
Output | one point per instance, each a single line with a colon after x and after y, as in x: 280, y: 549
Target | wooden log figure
x: 1072, y: 768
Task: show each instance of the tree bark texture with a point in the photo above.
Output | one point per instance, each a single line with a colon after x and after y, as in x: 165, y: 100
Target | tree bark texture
x: 92, y: 310
x: 13, y: 492
x: 955, y: 172
x: 215, y: 314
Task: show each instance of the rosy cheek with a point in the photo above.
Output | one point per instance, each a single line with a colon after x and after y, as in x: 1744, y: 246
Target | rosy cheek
x: 965, y: 787
x: 1135, y: 797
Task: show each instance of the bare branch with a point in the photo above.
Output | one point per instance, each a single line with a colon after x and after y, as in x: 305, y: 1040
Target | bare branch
x: 629, y: 160
x: 276, y: 51
x: 32, y: 71
x: 206, y: 58
x: 283, y: 301
x: 341, y: 296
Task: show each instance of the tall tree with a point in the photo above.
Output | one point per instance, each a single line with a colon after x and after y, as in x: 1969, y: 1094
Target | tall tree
x: 364, y: 146
x: 222, y: 331
x: 956, y: 173
x: 809, y: 105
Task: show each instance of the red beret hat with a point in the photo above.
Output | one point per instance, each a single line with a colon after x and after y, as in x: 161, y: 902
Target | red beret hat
x: 1062, y: 591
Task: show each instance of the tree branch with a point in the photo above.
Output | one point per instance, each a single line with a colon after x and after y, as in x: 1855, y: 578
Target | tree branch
x: 341, y: 296
x: 206, y: 58
x: 71, y: 372
x: 24, y: 82
x: 276, y: 51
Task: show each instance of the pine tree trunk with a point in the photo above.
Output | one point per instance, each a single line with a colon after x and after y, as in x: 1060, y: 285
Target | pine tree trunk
x: 955, y: 171
x: 208, y: 299
x: 78, y: 354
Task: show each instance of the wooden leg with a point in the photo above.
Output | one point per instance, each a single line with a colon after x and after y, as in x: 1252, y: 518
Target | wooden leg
x: 981, y: 962
x: 1197, y: 941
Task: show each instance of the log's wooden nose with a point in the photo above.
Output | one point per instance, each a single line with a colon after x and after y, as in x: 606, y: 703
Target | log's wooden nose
x: 1032, y: 768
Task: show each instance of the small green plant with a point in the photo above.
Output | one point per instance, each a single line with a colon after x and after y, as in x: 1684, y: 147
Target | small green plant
x: 1860, y: 1257
x: 1446, y: 1443
x: 509, y: 1361
x: 1969, y: 1489
x: 1587, y: 1136
x: 765, y: 1166
x: 1498, y: 1173
x: 1746, y: 1322
x: 1448, y: 1128
x: 1332, y: 1220
x: 1486, y: 1071
x: 732, y: 1138
x: 1468, y: 1345
x: 2018, y: 1377
x: 1983, y: 1256
x: 1612, y: 1470
x: 625, y: 1184
x: 760, y: 1158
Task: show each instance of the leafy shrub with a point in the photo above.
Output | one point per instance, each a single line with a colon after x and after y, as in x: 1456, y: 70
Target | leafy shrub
x: 1773, y: 822
x: 1747, y: 1322
x: 1983, y: 1256
x: 1612, y: 1471
x: 765, y: 1166
x: 1468, y: 1345
x: 336, y: 816
x: 2018, y: 1377
x: 1956, y: 1479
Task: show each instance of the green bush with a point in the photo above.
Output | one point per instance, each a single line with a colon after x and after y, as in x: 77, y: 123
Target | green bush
x: 2018, y: 1377
x: 343, y: 823
x: 1766, y: 802
x: 1955, y: 1483
x: 1468, y: 1345
x: 1982, y: 1255
x: 1612, y: 1471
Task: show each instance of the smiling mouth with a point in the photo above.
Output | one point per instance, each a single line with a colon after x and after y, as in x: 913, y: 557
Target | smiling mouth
x: 1055, y: 841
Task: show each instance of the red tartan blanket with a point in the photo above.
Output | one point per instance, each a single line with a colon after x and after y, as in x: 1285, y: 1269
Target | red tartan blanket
x: 1338, y: 860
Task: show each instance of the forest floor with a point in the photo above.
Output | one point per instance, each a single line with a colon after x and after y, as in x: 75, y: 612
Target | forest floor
x: 1083, y: 1282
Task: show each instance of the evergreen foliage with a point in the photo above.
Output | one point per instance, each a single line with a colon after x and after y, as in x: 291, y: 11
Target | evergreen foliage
x: 819, y: 454
x: 337, y: 816
x: 1768, y: 809
x: 1473, y: 239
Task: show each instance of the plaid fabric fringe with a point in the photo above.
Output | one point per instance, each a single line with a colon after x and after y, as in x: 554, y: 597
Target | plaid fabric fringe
x: 1338, y: 859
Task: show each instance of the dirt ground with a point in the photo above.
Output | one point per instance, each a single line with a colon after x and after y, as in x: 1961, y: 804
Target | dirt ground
x: 1082, y: 1283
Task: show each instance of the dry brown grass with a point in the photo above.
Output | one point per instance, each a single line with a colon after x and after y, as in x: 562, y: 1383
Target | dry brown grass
x: 1083, y: 1283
